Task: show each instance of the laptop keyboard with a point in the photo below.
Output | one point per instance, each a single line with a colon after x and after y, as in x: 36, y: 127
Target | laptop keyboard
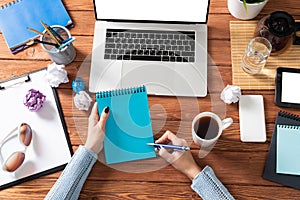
x: 149, y: 45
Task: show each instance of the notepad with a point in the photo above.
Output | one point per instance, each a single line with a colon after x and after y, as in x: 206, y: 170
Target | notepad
x: 128, y: 128
x: 288, y: 149
x: 17, y: 16
x: 270, y: 173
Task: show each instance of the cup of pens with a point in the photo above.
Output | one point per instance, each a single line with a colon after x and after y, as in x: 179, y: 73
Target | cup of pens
x: 57, y: 41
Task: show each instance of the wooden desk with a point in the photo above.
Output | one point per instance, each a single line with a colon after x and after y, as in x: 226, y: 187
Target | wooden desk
x: 238, y: 165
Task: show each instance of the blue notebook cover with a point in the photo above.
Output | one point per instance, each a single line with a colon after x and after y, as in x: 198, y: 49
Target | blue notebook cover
x: 17, y: 16
x: 128, y: 128
x: 288, y: 149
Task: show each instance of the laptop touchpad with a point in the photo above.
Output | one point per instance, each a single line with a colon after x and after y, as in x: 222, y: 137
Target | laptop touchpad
x: 158, y: 77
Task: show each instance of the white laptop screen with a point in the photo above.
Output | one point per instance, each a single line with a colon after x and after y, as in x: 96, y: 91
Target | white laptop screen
x: 194, y: 11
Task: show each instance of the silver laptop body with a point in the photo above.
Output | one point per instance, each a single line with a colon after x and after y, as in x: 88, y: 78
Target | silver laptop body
x: 157, y: 61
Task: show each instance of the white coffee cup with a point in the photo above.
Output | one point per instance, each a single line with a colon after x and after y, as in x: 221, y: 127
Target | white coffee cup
x: 207, y: 127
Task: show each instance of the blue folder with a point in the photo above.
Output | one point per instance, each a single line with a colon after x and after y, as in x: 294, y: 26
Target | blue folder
x: 128, y: 128
x: 17, y: 16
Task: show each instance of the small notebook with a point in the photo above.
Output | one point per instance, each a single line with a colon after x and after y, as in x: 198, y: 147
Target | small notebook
x: 283, y: 118
x: 17, y: 16
x: 288, y: 149
x: 128, y: 128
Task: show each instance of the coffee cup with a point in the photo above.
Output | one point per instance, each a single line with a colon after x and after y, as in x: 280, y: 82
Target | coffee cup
x: 207, y: 127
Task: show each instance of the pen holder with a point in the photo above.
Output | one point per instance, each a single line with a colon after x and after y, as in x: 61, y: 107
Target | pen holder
x: 61, y: 56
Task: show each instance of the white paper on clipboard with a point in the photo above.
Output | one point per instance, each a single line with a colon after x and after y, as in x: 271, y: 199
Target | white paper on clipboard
x: 50, y: 146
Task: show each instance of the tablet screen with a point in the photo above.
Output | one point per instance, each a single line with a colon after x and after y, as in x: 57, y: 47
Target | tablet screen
x: 290, y: 83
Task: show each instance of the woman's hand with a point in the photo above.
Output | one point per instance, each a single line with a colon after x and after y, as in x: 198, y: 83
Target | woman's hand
x: 181, y: 160
x: 96, y: 129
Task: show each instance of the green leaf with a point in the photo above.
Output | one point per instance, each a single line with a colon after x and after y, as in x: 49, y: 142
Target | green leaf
x: 245, y: 6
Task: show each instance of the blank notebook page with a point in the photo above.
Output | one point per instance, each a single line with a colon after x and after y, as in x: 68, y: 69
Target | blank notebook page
x: 288, y: 149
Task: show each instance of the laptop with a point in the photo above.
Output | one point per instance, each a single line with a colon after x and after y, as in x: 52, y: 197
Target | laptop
x: 161, y: 44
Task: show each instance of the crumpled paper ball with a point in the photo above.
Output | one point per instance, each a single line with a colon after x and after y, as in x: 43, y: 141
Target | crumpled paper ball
x: 231, y: 94
x: 78, y: 85
x: 56, y: 74
x: 34, y: 100
x: 82, y: 100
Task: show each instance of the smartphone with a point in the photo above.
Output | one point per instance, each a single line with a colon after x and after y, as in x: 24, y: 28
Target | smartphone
x: 252, y: 118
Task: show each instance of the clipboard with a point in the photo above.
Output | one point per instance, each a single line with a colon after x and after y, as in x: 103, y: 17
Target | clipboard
x: 287, y: 79
x: 50, y: 149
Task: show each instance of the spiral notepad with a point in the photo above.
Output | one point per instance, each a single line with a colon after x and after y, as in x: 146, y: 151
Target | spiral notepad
x: 270, y: 170
x: 128, y: 128
x: 288, y: 149
x: 18, y: 15
x: 9, y: 4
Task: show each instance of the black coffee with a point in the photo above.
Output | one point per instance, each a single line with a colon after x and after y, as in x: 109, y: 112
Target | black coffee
x: 206, y: 128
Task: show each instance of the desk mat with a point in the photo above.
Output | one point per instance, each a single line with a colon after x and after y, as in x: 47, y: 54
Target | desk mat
x: 240, y: 34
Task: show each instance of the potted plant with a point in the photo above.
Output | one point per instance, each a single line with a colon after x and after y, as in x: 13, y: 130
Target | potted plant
x: 245, y: 9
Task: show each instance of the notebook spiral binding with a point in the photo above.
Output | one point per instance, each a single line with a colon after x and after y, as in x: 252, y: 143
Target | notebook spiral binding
x: 289, y: 126
x: 289, y: 115
x: 119, y: 92
x: 10, y: 4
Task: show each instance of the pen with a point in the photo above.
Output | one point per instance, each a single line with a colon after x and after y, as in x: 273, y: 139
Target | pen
x: 44, y: 42
x: 37, y: 32
x: 169, y: 146
x: 30, y: 42
x: 66, y: 42
x: 54, y: 33
x: 40, y: 33
x: 51, y: 34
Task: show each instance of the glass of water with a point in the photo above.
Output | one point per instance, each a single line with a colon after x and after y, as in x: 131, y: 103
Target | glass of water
x: 256, y: 55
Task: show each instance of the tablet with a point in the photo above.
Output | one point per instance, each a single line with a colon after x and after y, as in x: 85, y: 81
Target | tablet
x: 287, y: 93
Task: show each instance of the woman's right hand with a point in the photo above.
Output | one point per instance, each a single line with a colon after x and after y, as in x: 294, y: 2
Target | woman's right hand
x: 181, y: 160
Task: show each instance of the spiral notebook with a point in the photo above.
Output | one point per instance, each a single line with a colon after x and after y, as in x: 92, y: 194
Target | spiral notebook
x: 288, y: 149
x: 18, y: 15
x: 283, y: 118
x: 128, y: 128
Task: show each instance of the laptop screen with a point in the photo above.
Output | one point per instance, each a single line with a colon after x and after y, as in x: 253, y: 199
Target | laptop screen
x: 194, y: 11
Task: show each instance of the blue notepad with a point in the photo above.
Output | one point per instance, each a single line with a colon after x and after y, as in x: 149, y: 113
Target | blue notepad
x: 288, y: 149
x: 17, y: 16
x: 128, y: 128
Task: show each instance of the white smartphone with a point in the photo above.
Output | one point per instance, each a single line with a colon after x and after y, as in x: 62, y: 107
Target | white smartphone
x: 252, y: 118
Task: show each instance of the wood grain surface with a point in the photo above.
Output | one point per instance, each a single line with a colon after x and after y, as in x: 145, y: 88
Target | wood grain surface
x: 238, y: 165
